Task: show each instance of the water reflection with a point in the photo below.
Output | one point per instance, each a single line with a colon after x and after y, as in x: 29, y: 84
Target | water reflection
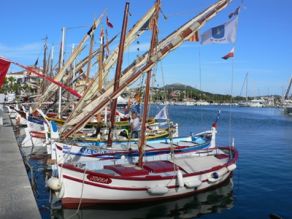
x: 207, y: 202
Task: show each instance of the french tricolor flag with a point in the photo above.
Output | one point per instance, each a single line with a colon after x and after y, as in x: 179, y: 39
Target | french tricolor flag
x: 229, y: 55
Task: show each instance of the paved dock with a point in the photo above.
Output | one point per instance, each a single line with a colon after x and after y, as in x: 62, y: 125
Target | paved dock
x: 16, y: 195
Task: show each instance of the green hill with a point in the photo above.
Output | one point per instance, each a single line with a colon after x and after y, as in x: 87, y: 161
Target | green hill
x: 181, y: 92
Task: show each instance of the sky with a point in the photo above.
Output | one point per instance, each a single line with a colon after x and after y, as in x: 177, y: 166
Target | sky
x: 263, y: 48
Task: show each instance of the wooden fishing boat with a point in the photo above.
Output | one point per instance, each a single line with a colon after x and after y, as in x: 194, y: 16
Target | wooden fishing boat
x: 204, y: 203
x: 154, y: 180
x: 35, y: 135
x: 83, y: 152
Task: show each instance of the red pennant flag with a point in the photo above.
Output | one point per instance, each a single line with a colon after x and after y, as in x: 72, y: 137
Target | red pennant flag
x: 4, y: 66
x: 39, y: 74
x: 108, y: 23
x: 229, y: 55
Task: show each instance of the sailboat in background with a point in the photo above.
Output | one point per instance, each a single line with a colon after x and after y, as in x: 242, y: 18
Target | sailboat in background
x: 250, y: 103
x: 287, y: 103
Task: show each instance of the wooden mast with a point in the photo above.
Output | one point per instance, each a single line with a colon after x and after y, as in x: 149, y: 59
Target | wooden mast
x: 61, y: 62
x: 165, y: 46
x: 109, y: 60
x: 51, y: 63
x: 118, y: 71
x: 61, y: 72
x: 44, y: 64
x: 100, y: 74
x: 153, y: 26
x: 89, y: 57
x: 100, y: 61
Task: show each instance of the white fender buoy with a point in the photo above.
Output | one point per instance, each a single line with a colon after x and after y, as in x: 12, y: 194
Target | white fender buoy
x: 231, y: 167
x: 222, y: 171
x: 180, y: 179
x: 157, y: 190
x: 193, y: 183
x: 54, y: 184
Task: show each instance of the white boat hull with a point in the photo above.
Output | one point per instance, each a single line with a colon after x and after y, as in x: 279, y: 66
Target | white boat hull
x: 90, y: 187
x: 33, y: 138
x: 91, y: 192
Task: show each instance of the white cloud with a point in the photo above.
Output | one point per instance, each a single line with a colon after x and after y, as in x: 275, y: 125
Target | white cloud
x: 26, y: 52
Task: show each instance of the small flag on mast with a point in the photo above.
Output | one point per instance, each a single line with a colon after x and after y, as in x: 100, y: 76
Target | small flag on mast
x: 229, y: 55
x: 108, y: 23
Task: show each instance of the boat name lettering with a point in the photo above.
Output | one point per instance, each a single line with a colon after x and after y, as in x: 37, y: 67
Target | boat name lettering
x: 99, y: 179
x: 86, y: 150
x: 66, y: 147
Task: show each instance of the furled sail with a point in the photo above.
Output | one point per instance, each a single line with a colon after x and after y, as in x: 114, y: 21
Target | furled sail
x: 136, y: 31
x: 131, y: 74
x: 52, y: 88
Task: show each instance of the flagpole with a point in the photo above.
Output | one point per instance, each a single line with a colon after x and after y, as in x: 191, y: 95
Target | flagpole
x: 232, y: 79
x: 231, y: 98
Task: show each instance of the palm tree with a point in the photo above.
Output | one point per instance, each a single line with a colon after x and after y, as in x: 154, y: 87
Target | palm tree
x: 11, y: 82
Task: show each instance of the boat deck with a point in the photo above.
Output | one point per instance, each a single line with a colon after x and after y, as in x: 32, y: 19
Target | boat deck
x: 165, y: 167
x: 17, y: 199
x: 202, y: 163
x: 155, y: 145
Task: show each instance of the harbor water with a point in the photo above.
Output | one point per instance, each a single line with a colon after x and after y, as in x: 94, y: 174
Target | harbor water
x: 260, y: 187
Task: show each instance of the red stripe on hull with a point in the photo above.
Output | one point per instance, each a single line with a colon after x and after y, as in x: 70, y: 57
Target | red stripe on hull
x: 107, y: 186
x: 37, y: 135
x: 74, y: 202
x: 150, y: 177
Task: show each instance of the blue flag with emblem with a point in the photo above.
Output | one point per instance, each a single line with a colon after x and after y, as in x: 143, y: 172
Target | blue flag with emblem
x: 225, y: 33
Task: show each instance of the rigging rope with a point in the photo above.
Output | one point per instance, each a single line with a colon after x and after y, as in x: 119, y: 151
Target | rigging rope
x: 80, y: 200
